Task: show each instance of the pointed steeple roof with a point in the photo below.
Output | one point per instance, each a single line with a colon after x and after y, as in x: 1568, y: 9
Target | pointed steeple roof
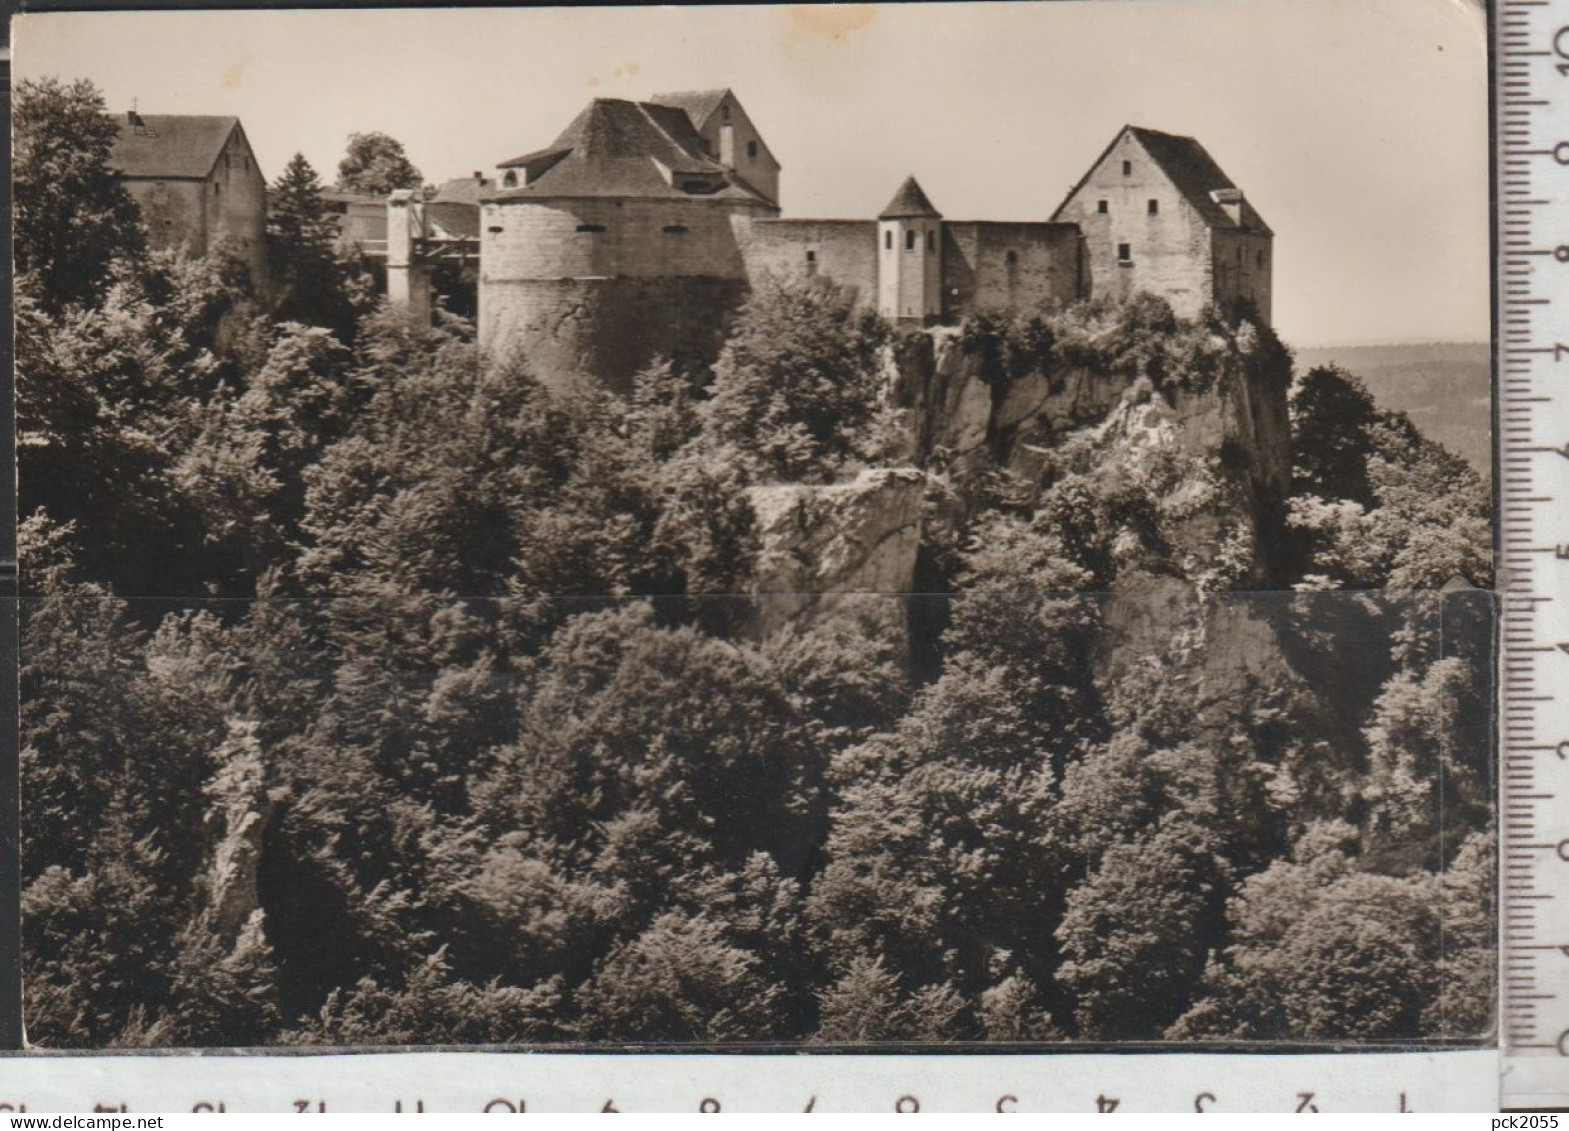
x: 908, y: 203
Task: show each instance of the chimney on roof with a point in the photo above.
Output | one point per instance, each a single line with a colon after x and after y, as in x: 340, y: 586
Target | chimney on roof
x: 1230, y: 201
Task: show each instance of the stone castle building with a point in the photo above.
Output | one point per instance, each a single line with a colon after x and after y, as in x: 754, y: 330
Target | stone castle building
x: 197, y: 183
x: 637, y: 230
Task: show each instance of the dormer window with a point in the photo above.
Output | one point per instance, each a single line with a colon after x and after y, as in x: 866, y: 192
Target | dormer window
x: 705, y: 186
x: 510, y: 180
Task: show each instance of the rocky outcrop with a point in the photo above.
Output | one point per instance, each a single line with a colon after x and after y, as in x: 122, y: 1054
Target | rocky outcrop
x: 242, y: 809
x: 822, y: 542
x: 1210, y: 442
x: 957, y: 418
x: 1225, y: 646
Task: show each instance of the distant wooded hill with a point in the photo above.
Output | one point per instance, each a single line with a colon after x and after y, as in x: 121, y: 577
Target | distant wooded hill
x: 1444, y: 387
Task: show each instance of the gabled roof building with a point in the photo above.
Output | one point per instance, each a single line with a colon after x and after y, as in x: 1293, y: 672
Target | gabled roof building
x: 1159, y: 215
x: 197, y: 183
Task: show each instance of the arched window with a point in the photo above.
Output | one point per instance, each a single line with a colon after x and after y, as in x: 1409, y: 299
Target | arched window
x: 909, y: 241
x: 510, y: 180
x: 888, y: 240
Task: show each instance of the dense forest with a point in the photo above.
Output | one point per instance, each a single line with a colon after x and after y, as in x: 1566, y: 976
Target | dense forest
x: 375, y: 693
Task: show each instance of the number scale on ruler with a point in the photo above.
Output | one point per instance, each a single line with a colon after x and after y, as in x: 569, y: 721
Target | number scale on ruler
x: 1531, y: 102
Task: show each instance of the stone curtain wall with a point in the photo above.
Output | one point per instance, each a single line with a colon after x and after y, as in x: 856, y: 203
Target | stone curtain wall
x: 1012, y: 266
x: 843, y: 251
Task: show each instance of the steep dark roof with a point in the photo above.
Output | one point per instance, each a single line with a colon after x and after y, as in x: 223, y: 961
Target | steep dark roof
x: 616, y: 148
x: 455, y: 207
x: 1194, y: 172
x: 461, y: 190
x: 909, y: 202
x: 699, y: 105
x: 172, y: 146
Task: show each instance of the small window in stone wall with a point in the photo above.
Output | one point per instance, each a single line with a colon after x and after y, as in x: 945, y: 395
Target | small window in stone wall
x: 1012, y: 258
x: 671, y: 229
x: 590, y: 227
x: 1124, y: 253
x: 510, y: 180
x: 909, y: 241
x: 1261, y: 259
x: 811, y: 262
x: 216, y: 188
x: 811, y: 257
x: 1154, y: 208
x: 1127, y: 168
x: 931, y: 241
x: 751, y: 149
x: 1103, y: 206
x: 888, y: 240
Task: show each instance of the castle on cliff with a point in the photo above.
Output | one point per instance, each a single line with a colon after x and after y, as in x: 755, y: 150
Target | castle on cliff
x: 635, y: 232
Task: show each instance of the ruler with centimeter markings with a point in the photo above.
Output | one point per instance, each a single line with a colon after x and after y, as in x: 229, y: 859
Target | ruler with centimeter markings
x: 1531, y: 108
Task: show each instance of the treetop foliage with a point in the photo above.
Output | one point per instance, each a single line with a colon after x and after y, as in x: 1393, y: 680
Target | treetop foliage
x: 376, y: 163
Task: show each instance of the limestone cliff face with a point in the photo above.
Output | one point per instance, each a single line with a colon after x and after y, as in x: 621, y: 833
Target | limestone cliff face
x: 1204, y: 442
x: 822, y: 542
x: 1212, y: 448
x: 242, y: 809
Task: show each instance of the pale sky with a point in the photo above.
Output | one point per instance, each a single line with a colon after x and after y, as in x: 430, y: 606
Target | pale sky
x: 1358, y: 128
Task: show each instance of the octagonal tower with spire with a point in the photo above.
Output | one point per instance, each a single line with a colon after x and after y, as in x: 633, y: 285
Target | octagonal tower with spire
x: 909, y: 251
